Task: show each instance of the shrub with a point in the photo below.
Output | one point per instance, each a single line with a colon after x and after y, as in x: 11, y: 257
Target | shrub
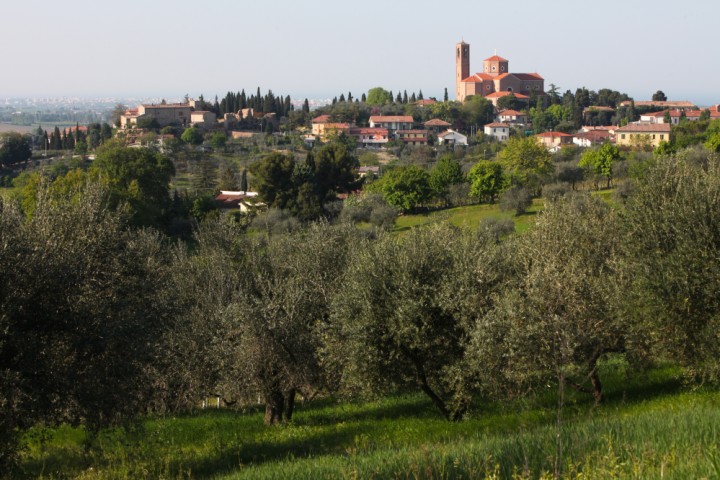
x: 517, y: 199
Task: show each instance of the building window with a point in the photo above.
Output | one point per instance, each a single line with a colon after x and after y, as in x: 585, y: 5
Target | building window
x: 662, y: 136
x: 622, y: 136
x: 653, y: 136
x: 502, y: 68
x: 487, y: 87
x: 493, y: 68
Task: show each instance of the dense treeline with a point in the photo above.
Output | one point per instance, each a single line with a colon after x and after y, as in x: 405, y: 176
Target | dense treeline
x: 103, y: 320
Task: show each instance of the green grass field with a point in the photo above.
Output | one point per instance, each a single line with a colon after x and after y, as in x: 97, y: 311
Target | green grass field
x: 650, y: 427
x: 470, y: 216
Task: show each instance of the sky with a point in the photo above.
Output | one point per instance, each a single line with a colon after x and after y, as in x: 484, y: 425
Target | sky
x: 320, y: 48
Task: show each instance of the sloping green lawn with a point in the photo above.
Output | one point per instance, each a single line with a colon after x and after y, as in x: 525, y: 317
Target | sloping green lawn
x: 470, y: 216
x: 650, y: 427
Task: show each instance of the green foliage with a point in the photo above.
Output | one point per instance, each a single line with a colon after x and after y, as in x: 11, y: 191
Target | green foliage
x: 138, y: 179
x: 446, y: 172
x: 14, y: 148
x: 516, y: 199
x: 379, y: 96
x: 274, y: 180
x: 192, y: 136
x: 674, y: 246
x: 510, y: 102
x: 526, y: 162
x: 601, y: 161
x: 486, y: 180
x: 713, y: 142
x: 404, y: 187
x: 218, y: 140
x: 82, y: 311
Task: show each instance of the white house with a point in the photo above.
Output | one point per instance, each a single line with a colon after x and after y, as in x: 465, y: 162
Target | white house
x: 498, y: 130
x: 451, y: 137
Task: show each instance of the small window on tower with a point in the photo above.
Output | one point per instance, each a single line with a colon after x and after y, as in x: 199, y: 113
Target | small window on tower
x: 493, y: 68
x: 502, y: 68
x: 458, y: 53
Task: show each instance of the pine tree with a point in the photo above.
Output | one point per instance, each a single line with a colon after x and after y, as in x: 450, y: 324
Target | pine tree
x: 342, y: 97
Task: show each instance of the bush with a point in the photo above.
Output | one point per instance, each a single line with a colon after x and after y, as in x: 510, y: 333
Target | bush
x: 624, y: 191
x: 496, y: 228
x: 517, y: 199
x: 458, y: 194
x: 275, y: 221
x: 553, y: 191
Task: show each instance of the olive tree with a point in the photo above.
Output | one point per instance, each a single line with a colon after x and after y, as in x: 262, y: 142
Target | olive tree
x: 404, y: 313
x: 673, y: 222
x: 563, y: 313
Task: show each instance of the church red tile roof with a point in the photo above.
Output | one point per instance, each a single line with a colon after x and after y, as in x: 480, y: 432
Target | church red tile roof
x: 495, y: 58
x: 479, y: 77
x: 526, y: 76
x: 502, y: 94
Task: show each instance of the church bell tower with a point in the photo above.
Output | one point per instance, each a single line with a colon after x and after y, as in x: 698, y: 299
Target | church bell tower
x: 462, y: 68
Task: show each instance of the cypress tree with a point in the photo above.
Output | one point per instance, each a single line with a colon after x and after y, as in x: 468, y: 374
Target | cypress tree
x: 405, y: 97
x: 342, y: 97
x: 244, y: 181
x: 350, y: 97
x: 413, y: 99
x: 398, y: 99
x: 445, y: 97
x: 363, y: 98
x: 306, y: 106
x: 420, y: 95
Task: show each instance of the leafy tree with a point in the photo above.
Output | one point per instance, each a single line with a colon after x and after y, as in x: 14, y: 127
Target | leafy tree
x: 227, y: 178
x: 83, y: 310
x: 526, y: 162
x: 517, y: 199
x: 446, y: 171
x: 601, y: 161
x: 139, y: 181
x: 218, y: 140
x: 14, y: 148
x: 659, y: 96
x: 673, y: 245
x: 192, y: 136
x: 334, y: 170
x: 510, y: 102
x: 564, y: 312
x: 486, y: 180
x: 406, y: 306
x: 404, y: 187
x: 379, y: 96
x: 274, y: 180
x: 713, y: 142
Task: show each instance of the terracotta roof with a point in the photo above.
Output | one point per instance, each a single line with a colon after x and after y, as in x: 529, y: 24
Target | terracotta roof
x: 651, y: 103
x: 425, y: 101
x: 450, y: 132
x: 606, y: 128
x: 498, y: 124
x: 392, y: 118
x: 526, y: 76
x: 594, y: 135
x: 512, y: 113
x: 553, y: 134
x: 495, y: 58
x: 478, y: 77
x: 168, y: 105
x: 321, y: 119
x: 502, y: 94
x: 368, y: 131
x: 645, y: 127
x: 436, y: 122
x: 678, y: 113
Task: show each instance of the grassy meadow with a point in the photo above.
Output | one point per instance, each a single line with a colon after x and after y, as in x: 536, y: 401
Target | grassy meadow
x: 649, y: 427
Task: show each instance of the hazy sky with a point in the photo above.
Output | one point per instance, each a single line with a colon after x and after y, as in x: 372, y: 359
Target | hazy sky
x: 321, y: 48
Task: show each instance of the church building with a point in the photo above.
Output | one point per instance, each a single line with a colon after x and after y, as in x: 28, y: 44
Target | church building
x: 495, y: 80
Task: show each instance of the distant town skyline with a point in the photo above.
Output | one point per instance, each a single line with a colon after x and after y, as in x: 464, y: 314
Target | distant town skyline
x: 319, y: 49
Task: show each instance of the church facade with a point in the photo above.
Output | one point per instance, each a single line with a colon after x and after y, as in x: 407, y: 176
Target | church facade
x: 495, y: 80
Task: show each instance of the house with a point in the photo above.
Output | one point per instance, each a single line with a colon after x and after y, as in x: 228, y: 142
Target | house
x: 554, y: 139
x: 494, y: 78
x: 659, y: 104
x: 203, y: 118
x: 370, y: 137
x: 393, y: 123
x: 451, y: 137
x: 676, y: 115
x: 425, y: 102
x: 512, y: 116
x: 498, y: 130
x: 592, y: 137
x: 436, y: 125
x: 163, y: 114
x: 639, y: 134
x: 412, y: 137
x: 322, y: 127
x: 243, y: 201
x: 372, y: 171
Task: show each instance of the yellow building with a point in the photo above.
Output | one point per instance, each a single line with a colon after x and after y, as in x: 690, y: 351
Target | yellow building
x: 642, y: 134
